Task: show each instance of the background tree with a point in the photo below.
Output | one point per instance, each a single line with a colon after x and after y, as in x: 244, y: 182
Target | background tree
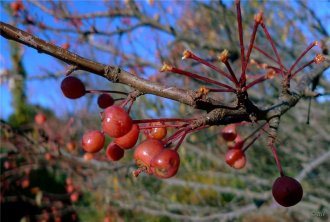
x: 205, y: 189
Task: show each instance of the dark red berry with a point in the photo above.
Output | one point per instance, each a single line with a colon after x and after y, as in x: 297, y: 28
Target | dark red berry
x: 93, y: 141
x: 287, y: 191
x: 114, y: 152
x: 116, y: 122
x: 229, y: 132
x: 72, y: 87
x: 105, y: 100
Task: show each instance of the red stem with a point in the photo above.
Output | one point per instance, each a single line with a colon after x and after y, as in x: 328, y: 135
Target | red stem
x: 253, y: 36
x: 240, y: 32
x: 301, y: 68
x: 105, y: 91
x: 231, y: 73
x: 196, y: 58
x: 256, y: 81
x: 162, y: 120
x: 163, y: 126
x: 300, y: 57
x: 265, y: 54
x: 276, y: 159
x: 219, y: 90
x: 273, y: 46
x: 205, y: 79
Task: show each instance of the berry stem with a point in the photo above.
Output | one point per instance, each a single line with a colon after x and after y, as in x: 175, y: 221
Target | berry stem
x: 163, y: 126
x: 227, y: 64
x: 265, y: 54
x: 163, y: 120
x: 195, y: 76
x: 105, y: 91
x: 240, y: 32
x: 180, y: 141
x: 273, y: 46
x: 190, y: 55
x: 276, y: 159
x: 300, y: 57
x: 253, y: 36
x: 301, y: 68
x: 219, y: 90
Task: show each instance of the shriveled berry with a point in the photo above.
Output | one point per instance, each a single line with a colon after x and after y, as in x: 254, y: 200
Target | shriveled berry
x: 287, y: 191
x: 72, y: 87
x: 235, y: 158
x: 116, y: 122
x: 114, y: 152
x: 129, y: 139
x: 93, y: 141
x: 165, y: 164
x: 105, y: 100
x: 229, y: 132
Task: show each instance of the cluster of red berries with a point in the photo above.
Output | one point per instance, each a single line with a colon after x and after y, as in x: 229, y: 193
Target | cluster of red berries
x: 152, y: 155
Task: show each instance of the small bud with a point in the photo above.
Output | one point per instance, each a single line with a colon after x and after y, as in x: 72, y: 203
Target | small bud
x: 223, y: 57
x: 166, y: 68
x: 203, y: 90
x: 319, y: 58
x: 258, y: 17
x: 186, y: 54
x: 315, y: 43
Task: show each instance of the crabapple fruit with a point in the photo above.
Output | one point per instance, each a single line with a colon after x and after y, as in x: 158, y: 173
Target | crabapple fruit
x: 114, y: 152
x: 229, y: 132
x: 235, y: 158
x: 287, y: 191
x: 40, y: 118
x: 165, y: 164
x: 129, y: 139
x: 145, y: 152
x: 105, y: 100
x: 157, y: 133
x: 116, y: 122
x: 72, y: 87
x: 93, y: 141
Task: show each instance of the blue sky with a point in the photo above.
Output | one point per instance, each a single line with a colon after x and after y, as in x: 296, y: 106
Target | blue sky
x: 44, y: 93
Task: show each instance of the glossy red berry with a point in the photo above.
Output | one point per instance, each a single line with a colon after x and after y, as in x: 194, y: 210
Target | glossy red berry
x: 238, y: 143
x: 88, y: 156
x: 235, y: 158
x: 116, y: 122
x: 287, y: 191
x: 72, y: 87
x: 157, y: 133
x: 105, y: 100
x: 145, y: 152
x: 40, y: 118
x: 114, y: 152
x: 229, y: 132
x: 129, y: 139
x: 93, y: 141
x: 165, y: 164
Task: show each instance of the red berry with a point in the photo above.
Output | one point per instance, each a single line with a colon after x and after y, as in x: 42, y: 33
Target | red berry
x: 40, y: 118
x: 25, y: 183
x: 116, y: 122
x: 129, y: 139
x: 66, y: 46
x: 93, y: 141
x: 145, y: 152
x: 69, y: 181
x: 70, y: 188
x: 74, y: 197
x: 287, y: 191
x: 238, y: 143
x: 72, y: 87
x: 229, y: 132
x: 105, y: 100
x: 157, y: 133
x: 48, y: 156
x: 71, y: 146
x: 235, y: 158
x: 114, y: 152
x: 165, y: 164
